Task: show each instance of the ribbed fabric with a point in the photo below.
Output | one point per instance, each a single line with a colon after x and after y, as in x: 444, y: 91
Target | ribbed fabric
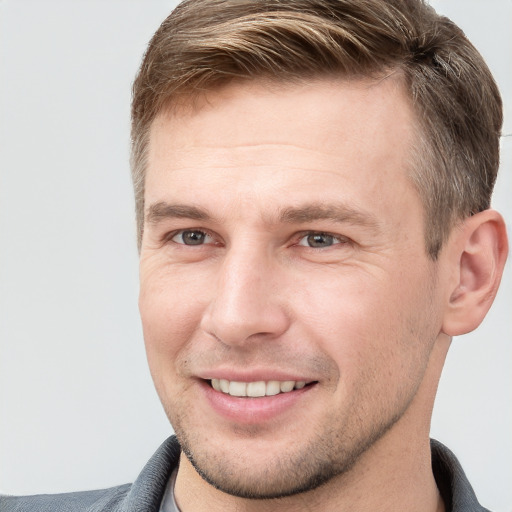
x: 145, y: 494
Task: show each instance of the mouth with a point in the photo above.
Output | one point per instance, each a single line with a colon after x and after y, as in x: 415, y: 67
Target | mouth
x: 258, y: 388
x: 258, y: 402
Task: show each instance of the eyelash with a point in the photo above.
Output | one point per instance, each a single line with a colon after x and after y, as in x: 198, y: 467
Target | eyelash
x: 336, y: 239
x: 201, y: 232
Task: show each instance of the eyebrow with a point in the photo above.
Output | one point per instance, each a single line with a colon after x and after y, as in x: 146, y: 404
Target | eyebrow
x: 339, y: 213
x: 311, y: 212
x: 162, y: 210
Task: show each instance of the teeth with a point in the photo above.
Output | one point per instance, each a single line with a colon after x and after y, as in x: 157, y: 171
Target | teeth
x: 237, y: 388
x: 224, y: 385
x: 256, y: 389
x: 273, y: 388
x: 286, y: 386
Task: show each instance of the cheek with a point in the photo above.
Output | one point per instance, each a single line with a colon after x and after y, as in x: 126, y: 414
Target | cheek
x: 373, y: 326
x: 345, y: 309
x: 170, y: 307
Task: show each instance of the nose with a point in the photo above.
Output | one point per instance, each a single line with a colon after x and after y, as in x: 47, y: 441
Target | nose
x: 246, y: 304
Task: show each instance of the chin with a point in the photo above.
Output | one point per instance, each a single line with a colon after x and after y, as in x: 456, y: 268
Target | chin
x: 275, y: 473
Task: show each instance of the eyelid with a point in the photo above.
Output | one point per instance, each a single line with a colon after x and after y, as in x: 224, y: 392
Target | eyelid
x: 339, y: 239
x: 168, y: 237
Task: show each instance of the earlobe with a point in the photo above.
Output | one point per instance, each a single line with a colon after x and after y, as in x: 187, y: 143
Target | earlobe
x: 480, y: 252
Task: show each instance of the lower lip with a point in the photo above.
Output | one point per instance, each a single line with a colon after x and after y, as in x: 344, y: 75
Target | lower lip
x: 248, y: 410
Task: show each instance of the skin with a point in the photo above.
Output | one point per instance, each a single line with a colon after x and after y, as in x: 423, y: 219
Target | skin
x: 364, y: 316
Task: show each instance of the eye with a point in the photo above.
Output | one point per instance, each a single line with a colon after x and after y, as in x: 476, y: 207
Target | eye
x: 192, y: 237
x: 320, y: 240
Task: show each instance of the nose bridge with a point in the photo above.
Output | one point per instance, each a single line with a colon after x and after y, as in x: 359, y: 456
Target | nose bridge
x: 245, y: 302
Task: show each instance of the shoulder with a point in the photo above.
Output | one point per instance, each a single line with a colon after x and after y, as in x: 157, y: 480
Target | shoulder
x: 144, y: 495
x: 103, y: 499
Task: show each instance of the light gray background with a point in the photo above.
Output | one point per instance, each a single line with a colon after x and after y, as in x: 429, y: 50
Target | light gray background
x: 77, y: 406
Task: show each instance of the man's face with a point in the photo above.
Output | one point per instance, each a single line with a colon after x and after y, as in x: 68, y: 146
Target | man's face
x: 283, y: 244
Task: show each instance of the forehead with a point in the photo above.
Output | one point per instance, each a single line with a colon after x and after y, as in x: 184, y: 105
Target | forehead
x: 244, y: 109
x: 323, y: 136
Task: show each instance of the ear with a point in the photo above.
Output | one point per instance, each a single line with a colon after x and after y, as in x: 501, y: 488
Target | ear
x: 478, y: 253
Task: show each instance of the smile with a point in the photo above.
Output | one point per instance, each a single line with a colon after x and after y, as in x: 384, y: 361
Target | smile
x: 256, y: 389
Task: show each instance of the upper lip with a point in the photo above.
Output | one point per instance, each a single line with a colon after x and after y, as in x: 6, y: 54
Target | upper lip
x: 254, y: 375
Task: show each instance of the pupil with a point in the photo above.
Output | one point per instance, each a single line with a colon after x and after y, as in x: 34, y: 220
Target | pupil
x: 193, y: 237
x: 320, y: 240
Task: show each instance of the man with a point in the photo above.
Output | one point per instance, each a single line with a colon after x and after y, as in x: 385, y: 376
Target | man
x: 312, y: 183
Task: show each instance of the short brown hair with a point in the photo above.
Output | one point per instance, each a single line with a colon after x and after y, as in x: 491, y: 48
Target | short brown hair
x: 206, y: 43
